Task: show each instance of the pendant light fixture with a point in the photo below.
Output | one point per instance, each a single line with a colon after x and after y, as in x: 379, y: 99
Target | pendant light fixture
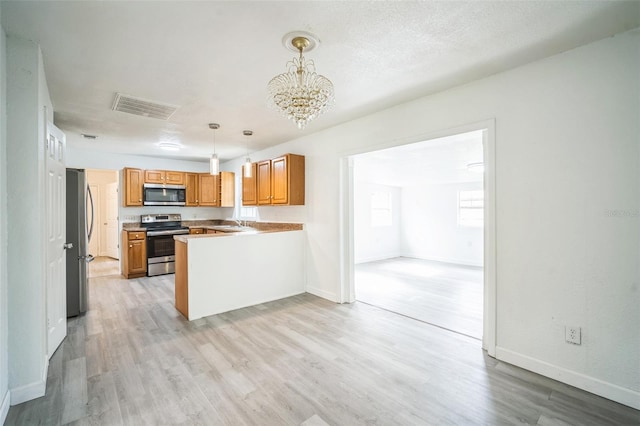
x: 300, y: 94
x: 214, y: 162
x: 247, y: 162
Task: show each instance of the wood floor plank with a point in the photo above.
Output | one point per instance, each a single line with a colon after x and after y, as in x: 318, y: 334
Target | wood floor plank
x: 134, y: 360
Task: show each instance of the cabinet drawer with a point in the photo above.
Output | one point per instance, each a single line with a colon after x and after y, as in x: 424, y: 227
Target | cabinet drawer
x: 137, y: 235
x: 196, y: 231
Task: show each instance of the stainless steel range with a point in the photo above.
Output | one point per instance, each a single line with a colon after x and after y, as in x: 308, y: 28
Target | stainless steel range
x: 160, y: 244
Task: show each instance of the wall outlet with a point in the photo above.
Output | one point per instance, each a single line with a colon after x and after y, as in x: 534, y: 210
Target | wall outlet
x: 573, y: 335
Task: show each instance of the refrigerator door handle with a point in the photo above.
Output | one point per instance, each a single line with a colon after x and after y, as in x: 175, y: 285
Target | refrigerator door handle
x: 90, y: 230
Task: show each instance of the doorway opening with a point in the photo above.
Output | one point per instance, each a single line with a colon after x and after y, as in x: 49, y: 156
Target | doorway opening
x: 104, y: 237
x: 418, y: 243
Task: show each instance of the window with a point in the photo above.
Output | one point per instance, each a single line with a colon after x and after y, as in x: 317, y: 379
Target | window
x: 248, y: 213
x: 381, y: 209
x: 471, y: 208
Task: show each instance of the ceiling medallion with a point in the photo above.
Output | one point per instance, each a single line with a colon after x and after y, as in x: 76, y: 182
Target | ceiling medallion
x: 300, y: 94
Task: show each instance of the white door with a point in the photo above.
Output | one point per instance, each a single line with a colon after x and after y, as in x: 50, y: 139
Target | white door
x: 56, y: 277
x: 110, y: 222
x: 93, y: 211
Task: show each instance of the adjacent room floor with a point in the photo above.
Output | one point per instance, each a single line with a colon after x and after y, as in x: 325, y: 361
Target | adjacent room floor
x: 441, y: 294
x: 103, y: 266
x: 133, y: 359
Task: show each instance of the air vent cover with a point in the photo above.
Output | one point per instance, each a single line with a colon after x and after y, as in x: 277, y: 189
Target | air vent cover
x: 137, y: 106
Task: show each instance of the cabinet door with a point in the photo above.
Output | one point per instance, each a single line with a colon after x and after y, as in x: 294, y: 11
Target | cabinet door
x: 137, y: 257
x: 154, y: 176
x: 132, y: 187
x: 209, y: 190
x: 191, y: 182
x: 249, y: 187
x: 279, y: 180
x: 174, y: 178
x: 264, y: 182
x: 227, y: 189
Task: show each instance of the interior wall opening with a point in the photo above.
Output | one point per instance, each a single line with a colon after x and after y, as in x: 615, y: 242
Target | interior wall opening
x: 418, y: 216
x: 103, y: 209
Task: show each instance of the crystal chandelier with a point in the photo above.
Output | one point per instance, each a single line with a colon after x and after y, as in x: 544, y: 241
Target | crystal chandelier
x: 300, y: 94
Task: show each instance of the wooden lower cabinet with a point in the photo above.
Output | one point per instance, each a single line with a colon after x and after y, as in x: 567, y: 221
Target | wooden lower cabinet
x: 182, y: 279
x: 134, y: 254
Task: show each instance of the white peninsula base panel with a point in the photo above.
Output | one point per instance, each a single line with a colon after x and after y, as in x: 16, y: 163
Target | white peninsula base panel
x: 236, y: 271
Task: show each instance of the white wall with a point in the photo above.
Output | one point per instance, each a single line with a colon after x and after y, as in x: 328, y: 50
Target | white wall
x: 375, y: 242
x: 27, y: 96
x: 4, y: 352
x: 566, y: 131
x: 429, y: 216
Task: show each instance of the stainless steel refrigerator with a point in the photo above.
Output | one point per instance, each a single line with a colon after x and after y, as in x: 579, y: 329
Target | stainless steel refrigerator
x: 79, y: 229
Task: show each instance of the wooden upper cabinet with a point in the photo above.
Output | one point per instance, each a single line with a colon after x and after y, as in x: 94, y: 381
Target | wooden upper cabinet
x: 281, y: 181
x: 132, y: 194
x: 202, y: 189
x: 193, y: 192
x: 208, y: 190
x: 227, y: 189
x: 287, y: 180
x: 164, y: 176
x: 263, y: 185
x: 249, y: 187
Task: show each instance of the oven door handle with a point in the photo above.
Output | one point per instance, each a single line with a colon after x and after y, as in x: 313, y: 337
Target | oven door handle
x: 158, y: 233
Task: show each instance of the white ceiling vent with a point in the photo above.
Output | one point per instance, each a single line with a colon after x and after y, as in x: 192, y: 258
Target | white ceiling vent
x: 137, y: 106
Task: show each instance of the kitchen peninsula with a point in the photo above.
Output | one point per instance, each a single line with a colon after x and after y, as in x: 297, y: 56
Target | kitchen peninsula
x: 236, y: 267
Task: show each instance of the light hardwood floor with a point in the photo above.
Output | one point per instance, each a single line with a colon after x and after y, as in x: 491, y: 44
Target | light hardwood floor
x: 103, y: 266
x: 134, y: 360
x: 442, y: 294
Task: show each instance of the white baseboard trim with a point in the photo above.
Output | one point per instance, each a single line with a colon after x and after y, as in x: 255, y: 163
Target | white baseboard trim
x: 4, y: 408
x: 33, y: 390
x: 377, y: 258
x: 28, y: 392
x: 581, y: 381
x: 445, y: 260
x: 322, y: 293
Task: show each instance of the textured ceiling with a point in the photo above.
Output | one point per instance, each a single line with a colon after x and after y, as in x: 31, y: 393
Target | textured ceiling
x: 214, y: 59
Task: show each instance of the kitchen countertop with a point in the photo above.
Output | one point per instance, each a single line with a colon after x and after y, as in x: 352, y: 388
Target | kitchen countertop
x: 226, y: 230
x: 227, y: 226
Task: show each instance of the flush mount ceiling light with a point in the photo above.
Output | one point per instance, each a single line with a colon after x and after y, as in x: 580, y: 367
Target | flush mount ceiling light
x: 170, y: 146
x: 247, y: 161
x: 88, y: 136
x: 214, y: 162
x: 300, y: 94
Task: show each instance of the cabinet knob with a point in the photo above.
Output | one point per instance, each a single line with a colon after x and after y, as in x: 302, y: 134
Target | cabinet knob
x: 139, y: 199
x: 131, y: 245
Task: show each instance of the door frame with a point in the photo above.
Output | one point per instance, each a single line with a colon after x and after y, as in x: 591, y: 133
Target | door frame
x: 347, y: 266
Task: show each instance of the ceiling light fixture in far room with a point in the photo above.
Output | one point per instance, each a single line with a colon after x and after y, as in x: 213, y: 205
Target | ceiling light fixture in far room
x: 476, y: 167
x: 214, y: 162
x: 300, y: 94
x: 170, y: 146
x: 247, y: 161
x: 88, y: 136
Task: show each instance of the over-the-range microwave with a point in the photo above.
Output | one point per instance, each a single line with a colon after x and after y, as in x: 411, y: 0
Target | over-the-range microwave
x: 164, y: 195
